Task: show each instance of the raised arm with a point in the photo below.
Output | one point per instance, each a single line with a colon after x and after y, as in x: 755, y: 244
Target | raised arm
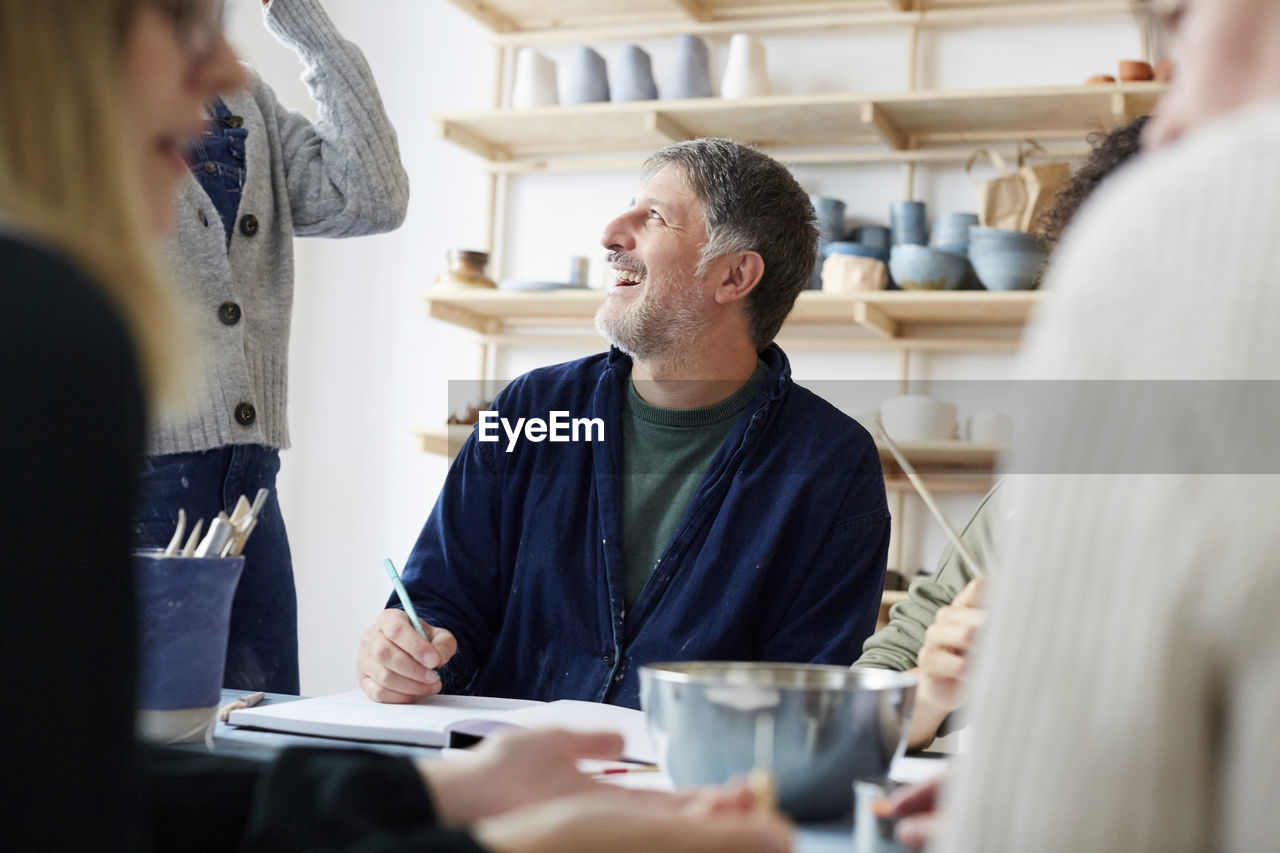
x: 343, y: 173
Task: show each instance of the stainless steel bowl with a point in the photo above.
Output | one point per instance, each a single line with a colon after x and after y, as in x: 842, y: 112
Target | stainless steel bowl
x: 824, y: 725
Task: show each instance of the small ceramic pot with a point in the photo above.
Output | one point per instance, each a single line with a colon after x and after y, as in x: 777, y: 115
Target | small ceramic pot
x: 830, y: 212
x: 907, y: 222
x: 1099, y: 79
x: 535, y: 84
x: 843, y: 273
x: 588, y: 78
x: 876, y: 236
x: 1135, y: 70
x: 745, y: 75
x: 691, y: 74
x: 633, y: 76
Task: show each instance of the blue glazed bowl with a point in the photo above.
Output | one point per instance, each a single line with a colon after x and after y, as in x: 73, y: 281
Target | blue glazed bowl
x: 1006, y: 268
x: 844, y: 247
x: 921, y: 268
x: 998, y: 238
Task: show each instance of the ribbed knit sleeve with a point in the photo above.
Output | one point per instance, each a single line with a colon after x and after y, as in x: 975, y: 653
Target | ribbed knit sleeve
x: 343, y: 173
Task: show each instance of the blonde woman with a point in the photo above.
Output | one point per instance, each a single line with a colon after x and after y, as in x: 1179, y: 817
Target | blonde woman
x: 97, y: 102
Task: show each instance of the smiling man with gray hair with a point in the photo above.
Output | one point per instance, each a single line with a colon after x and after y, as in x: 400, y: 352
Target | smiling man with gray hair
x: 729, y: 514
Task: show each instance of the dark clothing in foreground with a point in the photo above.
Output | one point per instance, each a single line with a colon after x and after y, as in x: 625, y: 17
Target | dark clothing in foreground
x: 73, y: 776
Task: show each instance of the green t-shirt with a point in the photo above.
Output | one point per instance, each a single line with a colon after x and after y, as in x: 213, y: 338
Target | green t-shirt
x: 665, y: 453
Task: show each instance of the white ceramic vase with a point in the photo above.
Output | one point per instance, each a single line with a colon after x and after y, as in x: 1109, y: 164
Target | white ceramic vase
x: 745, y: 75
x: 535, y: 83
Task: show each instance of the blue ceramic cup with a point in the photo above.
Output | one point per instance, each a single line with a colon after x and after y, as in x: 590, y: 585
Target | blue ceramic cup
x: 184, y: 611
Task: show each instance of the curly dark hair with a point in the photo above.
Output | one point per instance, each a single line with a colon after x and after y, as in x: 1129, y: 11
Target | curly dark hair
x: 1110, y: 152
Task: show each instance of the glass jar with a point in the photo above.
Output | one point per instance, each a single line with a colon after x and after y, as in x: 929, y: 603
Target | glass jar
x: 466, y: 269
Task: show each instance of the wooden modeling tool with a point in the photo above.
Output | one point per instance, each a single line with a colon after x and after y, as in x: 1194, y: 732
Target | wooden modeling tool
x: 963, y: 550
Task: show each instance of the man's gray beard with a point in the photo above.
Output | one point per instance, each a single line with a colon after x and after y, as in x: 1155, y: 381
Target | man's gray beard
x: 649, y: 332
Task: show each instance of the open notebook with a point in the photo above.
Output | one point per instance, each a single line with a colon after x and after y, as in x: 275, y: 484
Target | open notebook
x: 443, y: 720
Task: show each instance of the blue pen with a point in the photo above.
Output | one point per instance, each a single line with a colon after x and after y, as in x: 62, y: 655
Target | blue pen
x: 404, y: 597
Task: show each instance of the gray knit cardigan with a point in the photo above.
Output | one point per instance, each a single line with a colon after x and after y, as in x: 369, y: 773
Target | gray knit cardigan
x: 340, y: 177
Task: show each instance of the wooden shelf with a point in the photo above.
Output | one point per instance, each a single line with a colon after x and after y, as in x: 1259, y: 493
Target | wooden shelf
x: 941, y: 457
x: 520, y: 22
x: 902, y: 126
x: 443, y: 440
x: 947, y: 320
x: 938, y: 459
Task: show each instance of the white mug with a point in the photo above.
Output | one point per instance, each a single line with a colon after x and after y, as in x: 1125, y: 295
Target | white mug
x: 535, y: 84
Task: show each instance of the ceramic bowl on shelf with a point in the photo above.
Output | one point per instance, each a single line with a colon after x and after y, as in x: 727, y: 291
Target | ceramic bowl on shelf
x: 921, y: 268
x: 918, y: 417
x: 1006, y: 260
x: 820, y: 726
x: 1007, y: 269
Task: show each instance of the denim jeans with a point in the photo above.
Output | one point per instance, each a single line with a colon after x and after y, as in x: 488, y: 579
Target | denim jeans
x: 262, y: 649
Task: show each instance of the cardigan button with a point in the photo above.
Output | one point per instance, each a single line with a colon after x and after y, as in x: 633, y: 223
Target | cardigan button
x: 229, y: 313
x: 246, y: 414
x: 248, y: 225
x: 210, y: 166
x: 235, y: 121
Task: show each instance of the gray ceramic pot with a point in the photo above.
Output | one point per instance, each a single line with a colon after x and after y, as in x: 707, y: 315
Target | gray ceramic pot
x: 588, y: 78
x: 633, y: 76
x: 691, y: 75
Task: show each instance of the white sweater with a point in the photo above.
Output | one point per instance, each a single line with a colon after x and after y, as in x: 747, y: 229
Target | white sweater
x: 1128, y: 689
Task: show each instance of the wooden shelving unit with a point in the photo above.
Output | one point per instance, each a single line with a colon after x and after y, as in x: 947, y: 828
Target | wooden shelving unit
x: 912, y: 127
x: 908, y: 127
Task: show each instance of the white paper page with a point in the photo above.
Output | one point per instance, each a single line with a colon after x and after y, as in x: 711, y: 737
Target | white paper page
x: 354, y: 715
x: 907, y: 768
x: 593, y: 717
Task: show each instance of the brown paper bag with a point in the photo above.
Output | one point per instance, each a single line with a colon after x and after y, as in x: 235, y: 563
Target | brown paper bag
x: 1017, y: 198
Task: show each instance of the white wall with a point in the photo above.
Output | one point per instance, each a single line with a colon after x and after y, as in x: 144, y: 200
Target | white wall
x: 368, y: 365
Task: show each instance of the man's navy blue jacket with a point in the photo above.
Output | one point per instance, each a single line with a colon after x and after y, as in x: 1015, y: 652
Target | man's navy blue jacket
x: 780, y: 556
